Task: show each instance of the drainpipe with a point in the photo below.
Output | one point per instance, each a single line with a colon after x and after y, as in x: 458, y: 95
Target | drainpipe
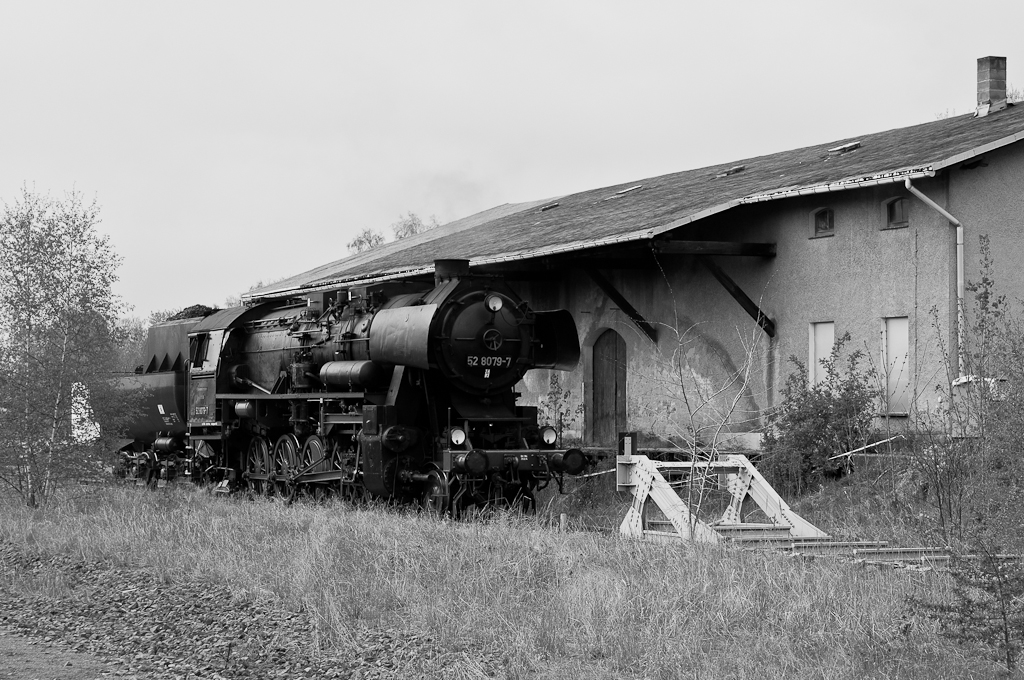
x: 961, y: 323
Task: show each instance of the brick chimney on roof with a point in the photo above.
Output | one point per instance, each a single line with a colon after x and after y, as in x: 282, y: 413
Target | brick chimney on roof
x: 991, y: 85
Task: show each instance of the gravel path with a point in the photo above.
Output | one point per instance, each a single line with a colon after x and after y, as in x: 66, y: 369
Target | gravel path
x: 134, y: 626
x: 28, y: 659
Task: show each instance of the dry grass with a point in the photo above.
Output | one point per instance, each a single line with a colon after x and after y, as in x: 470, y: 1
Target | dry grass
x: 579, y: 604
x: 875, y: 503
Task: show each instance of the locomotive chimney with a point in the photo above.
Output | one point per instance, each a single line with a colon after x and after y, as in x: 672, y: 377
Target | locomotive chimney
x: 445, y: 270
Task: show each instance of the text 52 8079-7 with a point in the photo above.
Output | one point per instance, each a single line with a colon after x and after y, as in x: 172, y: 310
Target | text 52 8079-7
x: 489, y: 362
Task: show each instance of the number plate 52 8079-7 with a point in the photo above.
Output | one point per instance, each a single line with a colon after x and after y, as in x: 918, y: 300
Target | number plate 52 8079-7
x: 489, y: 362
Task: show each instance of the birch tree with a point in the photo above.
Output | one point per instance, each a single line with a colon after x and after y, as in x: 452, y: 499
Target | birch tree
x: 408, y: 225
x: 365, y: 240
x: 412, y: 224
x: 59, y: 334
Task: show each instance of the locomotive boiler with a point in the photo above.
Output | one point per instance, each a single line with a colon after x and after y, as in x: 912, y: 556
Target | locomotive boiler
x: 394, y: 391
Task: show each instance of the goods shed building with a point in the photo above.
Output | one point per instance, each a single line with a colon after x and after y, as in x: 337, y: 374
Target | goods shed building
x: 691, y: 290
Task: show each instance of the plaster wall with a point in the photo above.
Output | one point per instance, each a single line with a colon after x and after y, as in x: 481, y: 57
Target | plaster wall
x: 862, y: 275
x: 713, y: 366
x: 706, y: 370
x: 989, y: 201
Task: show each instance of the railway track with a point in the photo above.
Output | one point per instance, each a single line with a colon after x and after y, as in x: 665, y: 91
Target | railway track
x: 774, y: 538
x: 778, y: 538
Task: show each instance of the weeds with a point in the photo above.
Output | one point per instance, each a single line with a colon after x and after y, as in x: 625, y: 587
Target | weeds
x: 557, y: 408
x: 558, y: 605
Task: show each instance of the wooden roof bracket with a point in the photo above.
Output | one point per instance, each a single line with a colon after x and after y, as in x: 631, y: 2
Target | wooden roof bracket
x: 766, y: 324
x: 605, y: 285
x: 732, y: 248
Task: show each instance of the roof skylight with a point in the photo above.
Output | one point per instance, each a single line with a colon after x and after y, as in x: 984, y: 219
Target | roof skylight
x: 623, y: 192
x: 843, y: 148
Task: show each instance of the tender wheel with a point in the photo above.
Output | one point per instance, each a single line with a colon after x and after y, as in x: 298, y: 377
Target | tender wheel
x: 258, y: 462
x: 286, y: 462
x: 436, y: 498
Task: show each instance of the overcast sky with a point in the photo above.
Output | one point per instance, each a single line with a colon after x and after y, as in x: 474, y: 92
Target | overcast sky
x: 235, y: 142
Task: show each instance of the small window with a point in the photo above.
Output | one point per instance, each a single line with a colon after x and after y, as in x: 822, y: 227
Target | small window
x: 824, y: 222
x: 199, y: 345
x: 897, y: 213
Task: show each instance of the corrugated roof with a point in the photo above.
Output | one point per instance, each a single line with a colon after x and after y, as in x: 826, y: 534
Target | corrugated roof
x: 642, y: 209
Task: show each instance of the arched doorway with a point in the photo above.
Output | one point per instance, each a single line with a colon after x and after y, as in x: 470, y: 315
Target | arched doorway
x: 609, y: 388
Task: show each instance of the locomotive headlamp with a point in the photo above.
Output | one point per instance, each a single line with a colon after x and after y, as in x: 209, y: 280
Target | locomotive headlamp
x: 493, y: 303
x: 548, y: 435
x: 458, y: 436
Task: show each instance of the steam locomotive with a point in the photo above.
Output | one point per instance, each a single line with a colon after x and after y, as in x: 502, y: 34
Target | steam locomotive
x: 397, y: 391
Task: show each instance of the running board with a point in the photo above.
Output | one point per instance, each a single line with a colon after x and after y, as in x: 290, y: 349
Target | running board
x: 646, y: 480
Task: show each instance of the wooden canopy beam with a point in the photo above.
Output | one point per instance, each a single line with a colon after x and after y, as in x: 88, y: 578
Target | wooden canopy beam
x: 766, y: 324
x: 731, y: 248
x: 605, y: 285
x: 512, y: 273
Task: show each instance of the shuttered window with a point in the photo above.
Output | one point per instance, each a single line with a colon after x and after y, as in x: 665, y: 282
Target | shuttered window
x: 823, y: 337
x: 895, y: 354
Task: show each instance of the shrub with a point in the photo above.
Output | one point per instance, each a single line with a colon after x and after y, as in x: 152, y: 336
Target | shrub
x: 815, y: 422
